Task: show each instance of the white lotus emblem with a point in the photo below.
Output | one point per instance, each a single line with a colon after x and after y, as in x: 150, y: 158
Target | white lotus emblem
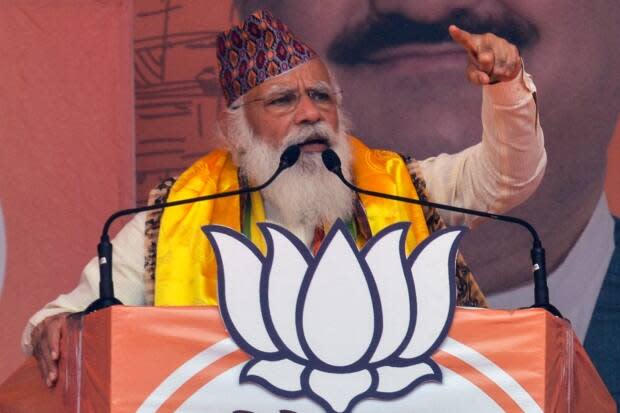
x: 342, y: 326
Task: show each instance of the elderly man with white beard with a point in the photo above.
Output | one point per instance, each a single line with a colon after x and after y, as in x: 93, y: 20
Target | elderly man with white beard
x: 280, y: 93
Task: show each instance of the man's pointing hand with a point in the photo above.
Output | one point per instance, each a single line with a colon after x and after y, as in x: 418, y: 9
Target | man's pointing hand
x: 492, y: 59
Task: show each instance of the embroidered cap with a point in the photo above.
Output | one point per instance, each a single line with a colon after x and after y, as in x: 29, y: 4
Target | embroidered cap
x: 261, y: 48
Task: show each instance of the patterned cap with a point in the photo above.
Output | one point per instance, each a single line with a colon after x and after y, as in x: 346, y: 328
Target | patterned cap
x: 261, y: 48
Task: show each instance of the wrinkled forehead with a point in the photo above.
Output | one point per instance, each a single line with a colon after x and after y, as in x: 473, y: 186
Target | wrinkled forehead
x: 310, y: 75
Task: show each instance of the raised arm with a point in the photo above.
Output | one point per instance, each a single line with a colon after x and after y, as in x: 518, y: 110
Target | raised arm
x: 508, y: 164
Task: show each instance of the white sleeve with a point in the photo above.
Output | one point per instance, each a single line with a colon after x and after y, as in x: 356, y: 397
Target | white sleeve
x: 127, y: 273
x: 505, y: 168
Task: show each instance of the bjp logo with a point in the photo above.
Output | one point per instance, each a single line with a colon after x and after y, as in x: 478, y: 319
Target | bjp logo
x: 344, y: 325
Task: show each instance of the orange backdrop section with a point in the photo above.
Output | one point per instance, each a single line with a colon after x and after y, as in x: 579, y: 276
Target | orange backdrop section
x: 66, y: 130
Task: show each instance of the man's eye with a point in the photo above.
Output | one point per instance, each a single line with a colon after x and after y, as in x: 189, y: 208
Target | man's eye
x: 320, y: 96
x: 281, y: 100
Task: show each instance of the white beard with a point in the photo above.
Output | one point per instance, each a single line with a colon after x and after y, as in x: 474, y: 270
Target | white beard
x: 306, y: 195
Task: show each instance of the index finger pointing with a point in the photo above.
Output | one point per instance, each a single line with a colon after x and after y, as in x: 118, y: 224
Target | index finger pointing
x: 462, y: 37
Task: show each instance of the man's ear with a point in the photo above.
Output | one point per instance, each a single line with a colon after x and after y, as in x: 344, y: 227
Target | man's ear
x: 222, y: 122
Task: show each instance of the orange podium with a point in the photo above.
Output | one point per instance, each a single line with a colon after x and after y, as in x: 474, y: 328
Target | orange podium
x: 153, y: 359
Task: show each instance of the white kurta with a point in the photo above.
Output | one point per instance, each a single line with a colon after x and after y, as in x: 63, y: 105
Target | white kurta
x: 495, y: 175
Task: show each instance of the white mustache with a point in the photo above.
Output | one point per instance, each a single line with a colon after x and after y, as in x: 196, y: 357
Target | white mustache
x: 305, y: 133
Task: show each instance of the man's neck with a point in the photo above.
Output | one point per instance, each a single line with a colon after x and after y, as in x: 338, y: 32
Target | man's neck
x: 303, y: 231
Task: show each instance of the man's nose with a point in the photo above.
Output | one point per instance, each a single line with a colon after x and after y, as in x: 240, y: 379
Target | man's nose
x: 426, y: 11
x: 307, y: 111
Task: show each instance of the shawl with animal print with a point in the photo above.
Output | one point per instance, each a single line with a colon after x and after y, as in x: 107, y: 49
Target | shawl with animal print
x: 469, y: 293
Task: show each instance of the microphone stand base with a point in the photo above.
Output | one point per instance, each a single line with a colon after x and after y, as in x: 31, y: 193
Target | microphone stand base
x: 550, y: 309
x: 101, y: 303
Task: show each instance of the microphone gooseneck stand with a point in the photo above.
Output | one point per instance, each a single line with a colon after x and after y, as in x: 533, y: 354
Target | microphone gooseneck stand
x: 541, y: 290
x: 104, y: 249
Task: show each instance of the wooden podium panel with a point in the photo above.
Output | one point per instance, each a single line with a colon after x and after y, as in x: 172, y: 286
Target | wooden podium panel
x: 149, y: 359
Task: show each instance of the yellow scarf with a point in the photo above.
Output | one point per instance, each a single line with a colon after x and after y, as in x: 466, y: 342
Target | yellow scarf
x: 186, y: 269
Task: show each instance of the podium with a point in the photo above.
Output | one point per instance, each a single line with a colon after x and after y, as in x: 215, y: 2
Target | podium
x: 180, y: 359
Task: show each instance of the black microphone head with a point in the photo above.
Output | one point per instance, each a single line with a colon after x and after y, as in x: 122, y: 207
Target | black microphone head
x: 289, y: 156
x: 331, y: 161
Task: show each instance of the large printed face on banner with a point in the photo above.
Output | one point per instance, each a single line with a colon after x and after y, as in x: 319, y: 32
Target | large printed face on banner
x: 344, y: 325
x: 404, y: 84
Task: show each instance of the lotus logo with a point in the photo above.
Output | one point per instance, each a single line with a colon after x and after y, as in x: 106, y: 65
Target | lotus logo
x: 343, y: 326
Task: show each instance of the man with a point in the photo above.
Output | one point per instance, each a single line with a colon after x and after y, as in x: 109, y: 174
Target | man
x: 400, y: 49
x: 280, y: 93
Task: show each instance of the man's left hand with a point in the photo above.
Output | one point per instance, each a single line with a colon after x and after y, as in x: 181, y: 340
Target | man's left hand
x: 492, y: 59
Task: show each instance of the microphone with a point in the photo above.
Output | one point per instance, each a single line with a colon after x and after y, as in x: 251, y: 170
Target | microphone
x: 537, y: 253
x: 104, y: 250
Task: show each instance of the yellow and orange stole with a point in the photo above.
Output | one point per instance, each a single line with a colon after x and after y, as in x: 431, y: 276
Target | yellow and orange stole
x: 186, y: 269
